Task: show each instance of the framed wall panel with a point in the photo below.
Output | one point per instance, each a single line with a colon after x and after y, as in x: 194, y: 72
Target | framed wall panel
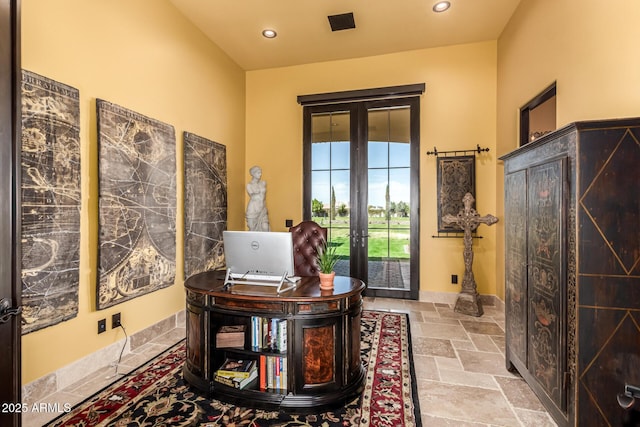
x: 137, y: 204
x: 456, y: 177
x: 205, y: 203
x: 50, y: 201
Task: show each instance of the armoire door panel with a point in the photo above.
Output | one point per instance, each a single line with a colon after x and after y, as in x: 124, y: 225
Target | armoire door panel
x: 546, y: 212
x: 516, y: 264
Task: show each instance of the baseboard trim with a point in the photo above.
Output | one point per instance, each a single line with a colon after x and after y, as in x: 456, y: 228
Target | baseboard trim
x: 62, y: 378
x: 451, y: 297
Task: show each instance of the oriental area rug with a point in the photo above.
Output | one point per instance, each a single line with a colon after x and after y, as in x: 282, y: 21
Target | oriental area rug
x: 157, y: 395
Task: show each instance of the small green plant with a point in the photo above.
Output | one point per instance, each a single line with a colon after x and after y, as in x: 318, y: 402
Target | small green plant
x: 327, y: 257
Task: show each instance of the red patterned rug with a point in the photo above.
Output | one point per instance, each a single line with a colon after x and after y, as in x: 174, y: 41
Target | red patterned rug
x: 157, y: 395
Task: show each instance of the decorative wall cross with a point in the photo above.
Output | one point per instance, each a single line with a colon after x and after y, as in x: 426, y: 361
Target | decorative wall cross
x: 468, y: 220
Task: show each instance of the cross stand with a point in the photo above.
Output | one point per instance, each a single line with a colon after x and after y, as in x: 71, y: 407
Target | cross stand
x: 468, y: 220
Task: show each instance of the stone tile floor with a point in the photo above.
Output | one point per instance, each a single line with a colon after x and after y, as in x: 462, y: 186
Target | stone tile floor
x: 460, y: 368
x: 459, y: 362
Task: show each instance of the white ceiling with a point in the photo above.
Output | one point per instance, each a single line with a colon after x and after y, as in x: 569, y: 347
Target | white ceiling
x: 304, y: 34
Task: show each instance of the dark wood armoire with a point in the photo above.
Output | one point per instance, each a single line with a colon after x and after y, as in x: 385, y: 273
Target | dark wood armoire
x: 572, y: 291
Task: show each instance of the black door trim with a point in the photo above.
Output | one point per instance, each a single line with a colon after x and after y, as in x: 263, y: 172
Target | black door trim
x: 10, y: 221
x: 388, y: 92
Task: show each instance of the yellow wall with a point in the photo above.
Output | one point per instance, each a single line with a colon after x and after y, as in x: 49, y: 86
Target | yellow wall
x: 145, y: 56
x: 588, y: 47
x: 457, y: 112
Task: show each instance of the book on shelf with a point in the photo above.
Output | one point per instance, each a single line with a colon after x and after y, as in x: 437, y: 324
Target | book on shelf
x: 273, y: 373
x: 237, y: 368
x: 230, y: 336
x: 239, y: 383
x: 263, y: 370
x: 268, y: 334
x: 281, y: 342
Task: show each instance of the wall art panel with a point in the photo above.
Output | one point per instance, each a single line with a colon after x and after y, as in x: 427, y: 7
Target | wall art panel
x: 50, y: 201
x: 205, y: 203
x: 456, y: 177
x: 137, y: 204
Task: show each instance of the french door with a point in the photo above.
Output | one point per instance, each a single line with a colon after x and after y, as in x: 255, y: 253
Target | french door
x: 361, y: 166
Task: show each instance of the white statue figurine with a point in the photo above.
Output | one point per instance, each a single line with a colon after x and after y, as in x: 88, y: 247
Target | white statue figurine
x: 257, y: 218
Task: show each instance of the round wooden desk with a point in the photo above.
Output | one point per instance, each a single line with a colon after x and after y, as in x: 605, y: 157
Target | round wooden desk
x: 320, y: 348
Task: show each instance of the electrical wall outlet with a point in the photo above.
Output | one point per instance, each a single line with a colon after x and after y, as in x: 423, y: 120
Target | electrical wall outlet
x: 454, y: 279
x: 115, y: 321
x: 102, y: 325
x: 288, y: 223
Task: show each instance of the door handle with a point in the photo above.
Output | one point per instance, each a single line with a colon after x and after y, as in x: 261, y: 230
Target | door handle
x: 364, y: 237
x: 6, y: 311
x: 354, y: 239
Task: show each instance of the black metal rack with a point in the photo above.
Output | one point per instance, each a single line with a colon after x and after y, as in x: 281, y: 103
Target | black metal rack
x: 436, y: 153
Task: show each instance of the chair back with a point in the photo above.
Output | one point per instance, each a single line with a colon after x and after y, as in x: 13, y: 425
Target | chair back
x: 307, y: 236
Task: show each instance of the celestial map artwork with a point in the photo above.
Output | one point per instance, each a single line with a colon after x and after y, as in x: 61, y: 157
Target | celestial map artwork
x: 137, y: 204
x: 205, y: 203
x: 50, y: 202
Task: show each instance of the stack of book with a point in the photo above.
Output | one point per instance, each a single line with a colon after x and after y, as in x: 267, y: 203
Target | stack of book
x: 230, y: 336
x: 237, y: 373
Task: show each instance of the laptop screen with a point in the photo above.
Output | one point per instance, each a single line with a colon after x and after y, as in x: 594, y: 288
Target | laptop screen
x: 259, y: 252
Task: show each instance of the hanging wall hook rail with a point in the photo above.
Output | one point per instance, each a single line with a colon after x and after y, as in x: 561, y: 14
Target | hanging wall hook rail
x: 478, y: 150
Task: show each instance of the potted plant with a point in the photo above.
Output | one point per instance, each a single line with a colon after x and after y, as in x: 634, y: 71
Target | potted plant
x: 327, y: 259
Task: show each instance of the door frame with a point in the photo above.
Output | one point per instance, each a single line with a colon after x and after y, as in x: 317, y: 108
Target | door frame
x: 358, y: 132
x: 10, y: 254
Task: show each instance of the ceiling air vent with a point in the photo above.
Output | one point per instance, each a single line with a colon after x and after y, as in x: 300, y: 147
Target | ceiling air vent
x: 344, y: 21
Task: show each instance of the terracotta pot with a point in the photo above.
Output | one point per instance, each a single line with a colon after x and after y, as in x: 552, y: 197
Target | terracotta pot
x: 326, y: 280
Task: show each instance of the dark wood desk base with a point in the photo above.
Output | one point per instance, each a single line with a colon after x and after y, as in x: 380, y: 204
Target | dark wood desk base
x: 322, y: 353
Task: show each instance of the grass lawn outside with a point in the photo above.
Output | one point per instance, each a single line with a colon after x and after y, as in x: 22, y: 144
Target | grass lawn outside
x: 387, y: 239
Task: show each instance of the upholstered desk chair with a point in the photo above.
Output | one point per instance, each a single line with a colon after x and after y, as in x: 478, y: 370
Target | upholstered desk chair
x: 306, y: 237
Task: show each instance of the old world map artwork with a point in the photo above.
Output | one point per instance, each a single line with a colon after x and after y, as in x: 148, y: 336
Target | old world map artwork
x: 456, y: 177
x: 205, y: 203
x: 137, y: 204
x: 50, y: 201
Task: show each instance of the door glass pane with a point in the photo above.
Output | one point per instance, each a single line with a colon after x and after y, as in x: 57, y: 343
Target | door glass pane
x: 320, y: 190
x: 399, y: 155
x: 378, y: 129
x: 388, y: 199
x: 330, y: 180
x: 378, y: 154
x: 339, y: 226
x: 321, y: 156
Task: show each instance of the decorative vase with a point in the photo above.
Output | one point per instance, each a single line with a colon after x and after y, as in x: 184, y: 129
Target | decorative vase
x: 326, y: 280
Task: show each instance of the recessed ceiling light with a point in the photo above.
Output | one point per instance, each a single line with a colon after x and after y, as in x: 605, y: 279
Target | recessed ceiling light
x: 441, y: 6
x: 270, y: 34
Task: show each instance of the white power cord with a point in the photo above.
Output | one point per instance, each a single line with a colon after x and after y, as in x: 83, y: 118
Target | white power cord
x: 117, y: 363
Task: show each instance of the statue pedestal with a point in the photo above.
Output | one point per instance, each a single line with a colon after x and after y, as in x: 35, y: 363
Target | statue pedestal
x: 469, y: 303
